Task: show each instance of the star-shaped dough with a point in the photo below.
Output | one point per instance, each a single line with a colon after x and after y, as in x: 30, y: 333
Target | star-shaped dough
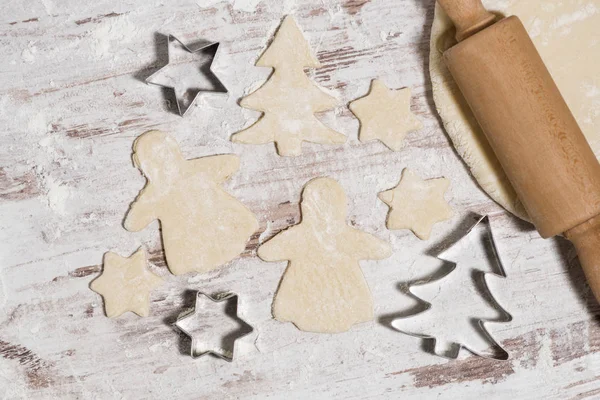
x: 385, y: 115
x: 188, y: 72
x: 214, y: 326
x: 416, y: 204
x: 125, y: 284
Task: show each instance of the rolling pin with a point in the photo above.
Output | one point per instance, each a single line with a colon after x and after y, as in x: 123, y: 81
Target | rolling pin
x: 529, y: 127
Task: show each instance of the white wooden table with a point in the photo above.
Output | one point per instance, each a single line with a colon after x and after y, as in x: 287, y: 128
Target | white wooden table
x: 72, y: 101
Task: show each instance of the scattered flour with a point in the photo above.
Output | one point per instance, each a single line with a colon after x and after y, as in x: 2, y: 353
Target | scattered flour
x: 581, y: 14
x: 2, y: 292
x: 57, y: 194
x: 49, y: 7
x: 165, y: 345
x: 267, y: 233
x: 238, y: 5
x: 386, y: 35
x: 37, y: 123
x: 111, y: 35
x: 28, y: 54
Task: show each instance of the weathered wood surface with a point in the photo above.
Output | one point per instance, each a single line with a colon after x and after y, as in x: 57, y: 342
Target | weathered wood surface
x: 72, y: 101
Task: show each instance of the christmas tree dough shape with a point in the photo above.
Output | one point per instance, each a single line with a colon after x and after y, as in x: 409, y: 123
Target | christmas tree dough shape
x: 385, y: 115
x: 203, y: 227
x: 125, y: 284
x: 289, y: 99
x: 417, y: 204
x: 323, y: 289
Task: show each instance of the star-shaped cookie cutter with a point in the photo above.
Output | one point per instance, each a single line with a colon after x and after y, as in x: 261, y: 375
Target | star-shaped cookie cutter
x: 492, y: 253
x: 219, y: 87
x: 204, y: 325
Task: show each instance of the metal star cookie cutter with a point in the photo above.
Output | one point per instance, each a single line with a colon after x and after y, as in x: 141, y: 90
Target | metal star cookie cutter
x: 491, y: 251
x: 185, y: 102
x: 213, y: 325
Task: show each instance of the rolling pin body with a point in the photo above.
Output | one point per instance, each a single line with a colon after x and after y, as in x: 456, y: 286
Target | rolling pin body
x: 529, y: 125
x: 531, y: 130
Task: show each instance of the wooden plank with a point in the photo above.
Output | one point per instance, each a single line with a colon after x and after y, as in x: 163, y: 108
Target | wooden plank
x: 72, y: 102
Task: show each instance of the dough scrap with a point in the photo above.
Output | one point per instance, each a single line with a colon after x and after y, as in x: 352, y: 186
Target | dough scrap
x: 125, y: 284
x: 288, y: 99
x: 385, y: 115
x: 417, y: 204
x: 565, y: 33
x: 323, y: 289
x: 203, y: 227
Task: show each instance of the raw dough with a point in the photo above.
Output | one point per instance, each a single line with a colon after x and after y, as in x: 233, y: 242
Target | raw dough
x: 125, y: 284
x: 416, y: 204
x: 202, y: 226
x: 567, y: 35
x: 384, y: 114
x: 323, y: 289
x: 289, y: 99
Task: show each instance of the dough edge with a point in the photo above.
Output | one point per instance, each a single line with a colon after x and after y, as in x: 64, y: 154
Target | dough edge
x: 466, y: 136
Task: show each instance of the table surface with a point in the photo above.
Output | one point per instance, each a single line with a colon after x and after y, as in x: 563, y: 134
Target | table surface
x: 72, y: 101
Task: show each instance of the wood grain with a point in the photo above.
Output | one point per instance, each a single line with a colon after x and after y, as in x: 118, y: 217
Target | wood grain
x: 73, y: 101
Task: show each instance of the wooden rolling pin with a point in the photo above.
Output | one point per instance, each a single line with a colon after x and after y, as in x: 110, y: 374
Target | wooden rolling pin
x: 529, y: 126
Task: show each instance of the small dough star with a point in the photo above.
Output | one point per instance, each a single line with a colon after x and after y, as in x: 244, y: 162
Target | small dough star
x: 385, y: 115
x: 188, y: 72
x: 416, y: 204
x: 214, y: 326
x: 125, y: 284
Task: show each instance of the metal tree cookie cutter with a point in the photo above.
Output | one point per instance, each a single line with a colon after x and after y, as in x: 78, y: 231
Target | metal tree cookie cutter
x: 466, y: 257
x: 213, y: 325
x: 176, y: 77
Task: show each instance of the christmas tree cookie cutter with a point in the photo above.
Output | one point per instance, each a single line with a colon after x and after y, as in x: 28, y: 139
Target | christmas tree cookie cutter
x: 430, y: 342
x: 213, y: 325
x: 186, y: 100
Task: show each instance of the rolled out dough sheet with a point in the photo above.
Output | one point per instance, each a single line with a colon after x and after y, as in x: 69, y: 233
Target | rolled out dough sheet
x: 567, y: 35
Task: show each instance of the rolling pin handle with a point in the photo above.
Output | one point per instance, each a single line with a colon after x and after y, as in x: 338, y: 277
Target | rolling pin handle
x: 586, y: 238
x: 468, y: 16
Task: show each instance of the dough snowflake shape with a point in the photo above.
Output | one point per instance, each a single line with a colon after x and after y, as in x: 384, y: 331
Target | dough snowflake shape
x: 289, y: 99
x: 125, y: 284
x: 416, y: 204
x: 203, y: 226
x: 323, y: 289
x: 384, y: 114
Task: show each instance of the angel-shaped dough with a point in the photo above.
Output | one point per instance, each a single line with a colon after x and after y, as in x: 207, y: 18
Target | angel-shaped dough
x: 323, y: 289
x: 202, y: 226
